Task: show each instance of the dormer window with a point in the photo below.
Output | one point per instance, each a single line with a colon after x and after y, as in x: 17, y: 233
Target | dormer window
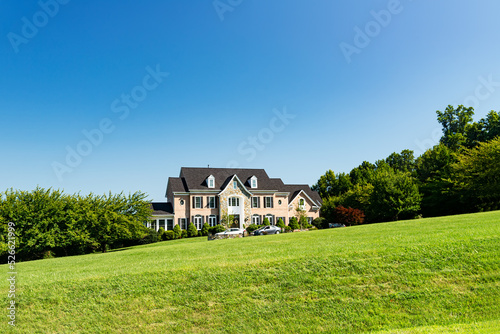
x: 253, y: 182
x: 211, y: 181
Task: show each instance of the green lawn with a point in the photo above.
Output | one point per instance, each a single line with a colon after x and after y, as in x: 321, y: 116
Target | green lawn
x: 421, y: 276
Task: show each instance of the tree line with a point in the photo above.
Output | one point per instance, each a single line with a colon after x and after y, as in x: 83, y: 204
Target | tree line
x: 50, y: 223
x: 460, y: 174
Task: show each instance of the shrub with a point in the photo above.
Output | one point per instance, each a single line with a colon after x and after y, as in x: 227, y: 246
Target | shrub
x: 304, y: 223
x: 204, y: 230
x: 150, y: 238
x: 251, y: 228
x: 177, y: 232
x: 161, y: 234
x: 288, y: 229
x: 320, y: 222
x: 184, y: 234
x: 348, y: 216
x: 280, y: 223
x: 294, y: 224
x: 266, y: 221
x: 192, y: 231
x: 169, y: 235
x: 216, y: 229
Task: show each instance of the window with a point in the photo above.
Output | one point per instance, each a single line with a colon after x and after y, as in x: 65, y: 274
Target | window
x: 181, y: 202
x: 212, y: 220
x: 253, y: 182
x: 183, y: 223
x: 198, y: 202
x: 279, y: 202
x: 268, y: 203
x: 256, y: 219
x: 234, y: 201
x: 270, y: 218
x: 255, y: 202
x: 302, y: 204
x: 235, y: 184
x: 161, y: 223
x: 198, y: 222
x: 153, y: 225
x: 211, y: 202
x: 211, y: 181
x: 170, y: 224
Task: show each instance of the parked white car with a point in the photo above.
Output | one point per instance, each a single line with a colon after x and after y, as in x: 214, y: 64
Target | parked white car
x: 231, y: 231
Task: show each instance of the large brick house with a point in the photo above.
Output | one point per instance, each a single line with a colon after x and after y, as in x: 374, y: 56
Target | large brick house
x: 207, y: 195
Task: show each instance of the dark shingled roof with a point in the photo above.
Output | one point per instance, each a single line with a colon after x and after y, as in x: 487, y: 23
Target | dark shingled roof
x: 294, y: 190
x: 196, y: 178
x: 192, y: 178
x: 177, y: 184
x: 162, y: 208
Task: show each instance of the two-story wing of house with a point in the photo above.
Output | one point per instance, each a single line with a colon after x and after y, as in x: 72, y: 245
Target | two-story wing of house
x: 208, y: 195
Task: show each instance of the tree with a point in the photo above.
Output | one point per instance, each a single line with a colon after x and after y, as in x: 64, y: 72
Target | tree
x: 455, y: 123
x: 294, y: 224
x: 303, y: 222
x: 192, y: 231
x: 280, y: 224
x: 266, y: 221
x: 433, y: 170
x: 161, y: 234
x: 363, y: 173
x: 177, y: 231
x: 331, y: 185
x: 204, y: 229
x: 404, y: 161
x: 476, y: 177
x: 349, y: 216
x: 395, y: 195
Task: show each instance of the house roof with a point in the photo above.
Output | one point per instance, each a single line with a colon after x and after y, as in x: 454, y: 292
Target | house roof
x: 295, y: 189
x: 162, y: 208
x: 195, y: 179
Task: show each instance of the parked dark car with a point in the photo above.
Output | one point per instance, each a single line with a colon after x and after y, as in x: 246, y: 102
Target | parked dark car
x: 336, y: 225
x: 269, y: 229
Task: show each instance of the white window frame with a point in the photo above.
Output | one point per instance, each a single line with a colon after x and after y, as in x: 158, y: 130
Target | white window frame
x: 183, y: 223
x: 253, y: 182
x: 256, y: 219
x: 270, y: 204
x: 212, y: 220
x: 233, y: 201
x: 256, y: 199
x: 197, y: 205
x: 210, y: 204
x: 169, y: 221
x: 270, y: 218
x: 303, y: 205
x: 198, y: 222
x: 211, y: 181
x: 235, y: 184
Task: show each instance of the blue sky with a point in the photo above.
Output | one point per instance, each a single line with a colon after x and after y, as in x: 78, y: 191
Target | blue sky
x: 258, y: 84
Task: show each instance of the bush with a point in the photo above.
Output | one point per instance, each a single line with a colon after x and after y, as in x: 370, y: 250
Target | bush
x: 216, y: 229
x: 266, y: 221
x: 288, y: 229
x: 304, y: 223
x: 169, y: 235
x: 280, y: 223
x: 348, y: 216
x: 184, y: 234
x: 251, y: 228
x: 294, y: 224
x: 320, y: 222
x: 204, y: 230
x: 161, y: 234
x: 177, y: 232
x: 150, y: 238
x: 192, y: 231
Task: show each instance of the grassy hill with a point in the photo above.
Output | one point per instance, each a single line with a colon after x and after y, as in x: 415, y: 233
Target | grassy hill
x: 422, y: 276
